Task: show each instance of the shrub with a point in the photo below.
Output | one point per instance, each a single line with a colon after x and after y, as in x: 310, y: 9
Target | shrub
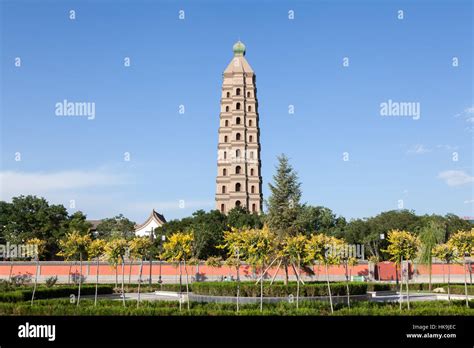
x: 250, y: 289
x: 53, y: 292
x: 21, y: 279
x: 51, y: 281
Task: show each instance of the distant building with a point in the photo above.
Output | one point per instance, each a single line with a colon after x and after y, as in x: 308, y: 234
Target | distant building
x: 239, y: 180
x: 154, y: 220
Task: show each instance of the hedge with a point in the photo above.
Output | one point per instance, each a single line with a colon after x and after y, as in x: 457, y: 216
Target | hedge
x: 250, y: 289
x: 171, y: 308
x: 54, y: 292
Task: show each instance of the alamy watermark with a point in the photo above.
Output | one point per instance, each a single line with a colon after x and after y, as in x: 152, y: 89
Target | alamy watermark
x: 402, y: 109
x: 68, y: 108
x: 18, y: 251
x: 345, y: 251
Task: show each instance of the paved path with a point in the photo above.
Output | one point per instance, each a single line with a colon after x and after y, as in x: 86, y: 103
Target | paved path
x: 151, y: 296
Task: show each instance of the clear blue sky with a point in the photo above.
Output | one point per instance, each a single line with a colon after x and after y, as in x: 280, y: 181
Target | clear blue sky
x: 297, y: 62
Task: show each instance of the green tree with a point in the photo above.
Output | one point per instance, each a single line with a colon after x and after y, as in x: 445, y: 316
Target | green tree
x: 320, y: 219
x: 240, y: 217
x: 29, y: 217
x: 117, y: 227
x: 284, y: 205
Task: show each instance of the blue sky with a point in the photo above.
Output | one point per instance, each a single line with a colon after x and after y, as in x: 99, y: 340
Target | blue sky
x: 180, y: 62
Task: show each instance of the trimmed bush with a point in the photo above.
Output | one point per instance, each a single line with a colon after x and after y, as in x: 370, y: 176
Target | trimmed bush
x: 250, y: 289
x: 171, y: 308
x: 54, y: 292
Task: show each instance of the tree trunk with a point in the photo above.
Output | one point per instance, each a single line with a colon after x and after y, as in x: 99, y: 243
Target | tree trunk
x: 116, y: 275
x: 139, y: 282
x: 465, y: 283
x: 329, y: 288
x: 187, y: 283
x: 180, y: 284
x: 11, y: 270
x: 430, y: 272
x: 123, y: 280
x: 36, y: 280
x: 96, y: 282
x: 401, y: 282
x: 238, y: 285
x: 407, y: 284
x: 449, y: 286
x: 286, y: 273
x: 261, y: 288
x: 298, y: 287
x: 150, y: 282
x: 80, y: 279
x: 130, y: 272
x: 69, y: 274
x: 347, y: 285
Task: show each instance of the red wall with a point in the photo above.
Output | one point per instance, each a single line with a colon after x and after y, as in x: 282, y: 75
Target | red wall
x: 386, y: 270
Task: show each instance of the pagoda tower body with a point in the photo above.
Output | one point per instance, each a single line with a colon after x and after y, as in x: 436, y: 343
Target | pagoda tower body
x: 239, y: 180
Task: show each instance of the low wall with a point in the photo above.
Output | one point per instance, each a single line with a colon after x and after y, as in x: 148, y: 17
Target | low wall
x: 169, y: 272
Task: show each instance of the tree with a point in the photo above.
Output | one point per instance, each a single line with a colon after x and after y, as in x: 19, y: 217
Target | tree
x: 96, y: 250
x: 29, y: 217
x: 294, y: 250
x: 116, y: 249
x: 403, y: 245
x: 320, y: 219
x: 234, y: 243
x: 207, y: 229
x: 324, y: 249
x: 284, y: 203
x: 369, y: 231
x: 179, y: 248
x: 430, y: 235
x: 78, y: 222
x: 446, y: 253
x: 258, y: 247
x: 76, y: 245
x: 39, y: 248
x: 117, y: 227
x: 140, y: 248
x: 240, y: 217
x: 463, y: 243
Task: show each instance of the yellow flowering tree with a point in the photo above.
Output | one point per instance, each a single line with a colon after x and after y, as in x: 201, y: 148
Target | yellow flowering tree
x: 258, y: 248
x: 294, y: 249
x: 324, y: 249
x: 234, y: 243
x: 95, y: 251
x: 75, y: 246
x: 463, y: 243
x: 403, y: 245
x: 446, y: 252
x: 139, y: 248
x: 39, y: 248
x: 115, y: 251
x: 178, y: 248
